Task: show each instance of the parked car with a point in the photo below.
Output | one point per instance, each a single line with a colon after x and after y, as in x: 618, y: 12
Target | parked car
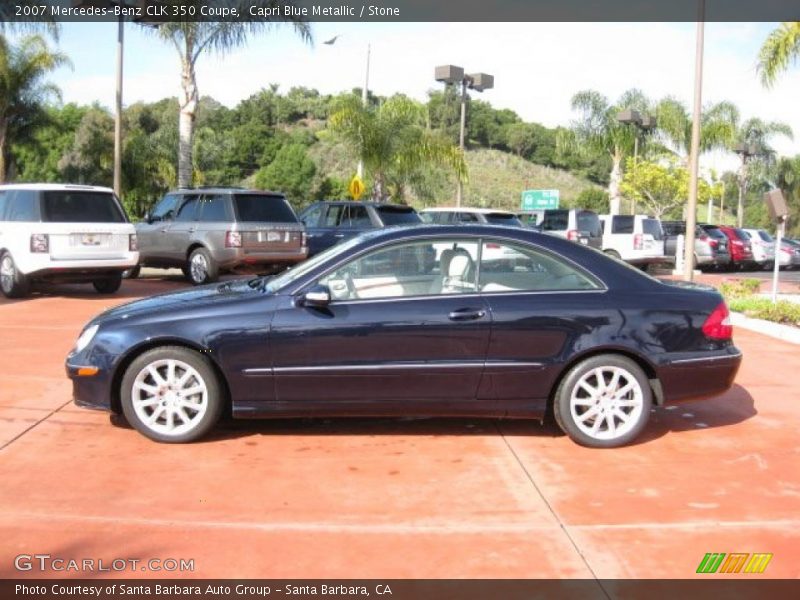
x: 763, y: 246
x: 739, y: 246
x: 465, y: 215
x: 789, y: 255
x: 330, y: 221
x: 636, y: 239
x: 710, y: 244
x: 207, y: 231
x: 532, y: 218
x: 63, y: 233
x: 366, y: 328
x: 575, y: 225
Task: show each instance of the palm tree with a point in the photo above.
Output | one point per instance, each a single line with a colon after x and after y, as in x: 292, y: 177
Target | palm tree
x: 392, y: 141
x: 8, y: 11
x: 718, y: 124
x: 23, y: 90
x: 780, y: 50
x: 190, y: 40
x: 599, y: 131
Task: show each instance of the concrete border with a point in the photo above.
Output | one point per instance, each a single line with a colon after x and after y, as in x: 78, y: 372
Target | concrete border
x: 785, y: 333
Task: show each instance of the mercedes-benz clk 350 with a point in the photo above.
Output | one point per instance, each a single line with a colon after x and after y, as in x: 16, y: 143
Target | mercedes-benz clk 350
x: 477, y: 321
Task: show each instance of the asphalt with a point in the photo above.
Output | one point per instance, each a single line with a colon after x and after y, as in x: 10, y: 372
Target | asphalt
x: 389, y: 498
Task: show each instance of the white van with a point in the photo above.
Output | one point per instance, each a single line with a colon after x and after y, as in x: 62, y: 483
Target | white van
x: 636, y: 239
x: 63, y: 233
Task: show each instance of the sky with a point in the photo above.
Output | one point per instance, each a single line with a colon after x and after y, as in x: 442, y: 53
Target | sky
x: 537, y: 66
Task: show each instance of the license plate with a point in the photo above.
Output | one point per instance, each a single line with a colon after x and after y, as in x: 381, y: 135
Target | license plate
x: 584, y: 241
x: 88, y: 239
x: 273, y: 236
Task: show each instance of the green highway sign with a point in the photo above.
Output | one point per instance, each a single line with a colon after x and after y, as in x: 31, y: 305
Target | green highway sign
x: 539, y: 199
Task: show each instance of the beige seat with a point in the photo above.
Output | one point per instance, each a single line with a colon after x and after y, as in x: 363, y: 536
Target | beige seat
x: 459, y: 271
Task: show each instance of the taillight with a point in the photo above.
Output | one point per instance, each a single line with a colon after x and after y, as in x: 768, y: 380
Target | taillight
x: 133, y: 243
x: 638, y: 242
x: 304, y: 240
x: 572, y: 235
x: 718, y: 324
x: 233, y: 239
x: 40, y: 242
x: 491, y: 246
x: 713, y: 243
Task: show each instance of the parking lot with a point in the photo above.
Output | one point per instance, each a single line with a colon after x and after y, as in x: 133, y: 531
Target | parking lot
x: 391, y: 498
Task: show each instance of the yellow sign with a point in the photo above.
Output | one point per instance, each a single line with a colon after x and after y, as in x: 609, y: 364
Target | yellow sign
x: 356, y: 187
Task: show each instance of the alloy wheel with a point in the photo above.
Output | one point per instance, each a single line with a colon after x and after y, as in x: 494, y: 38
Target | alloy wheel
x: 606, y: 402
x: 198, y: 267
x: 7, y: 273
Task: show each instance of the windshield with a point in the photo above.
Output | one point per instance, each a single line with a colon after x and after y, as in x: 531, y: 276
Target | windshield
x: 397, y: 215
x: 503, y: 219
x: 765, y: 236
x: 555, y: 220
x: 69, y: 206
x: 263, y: 208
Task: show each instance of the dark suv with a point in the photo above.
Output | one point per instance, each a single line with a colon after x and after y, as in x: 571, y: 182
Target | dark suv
x: 328, y: 222
x: 206, y: 231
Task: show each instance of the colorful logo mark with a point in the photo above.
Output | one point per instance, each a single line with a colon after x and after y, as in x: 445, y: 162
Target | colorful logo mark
x: 741, y: 562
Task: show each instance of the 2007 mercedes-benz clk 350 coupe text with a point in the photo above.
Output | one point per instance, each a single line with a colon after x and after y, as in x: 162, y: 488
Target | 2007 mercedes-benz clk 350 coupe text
x: 426, y: 320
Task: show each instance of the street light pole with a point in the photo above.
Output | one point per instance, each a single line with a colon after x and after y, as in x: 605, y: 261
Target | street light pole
x: 691, y: 215
x: 118, y: 115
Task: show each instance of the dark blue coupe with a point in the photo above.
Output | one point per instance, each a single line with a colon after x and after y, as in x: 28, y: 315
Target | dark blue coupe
x: 427, y: 320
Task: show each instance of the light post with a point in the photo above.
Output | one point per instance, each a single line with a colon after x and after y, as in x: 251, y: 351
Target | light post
x: 450, y: 74
x: 745, y: 152
x: 642, y: 122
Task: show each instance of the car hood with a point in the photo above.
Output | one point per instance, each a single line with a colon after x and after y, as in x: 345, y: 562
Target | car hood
x: 197, y: 297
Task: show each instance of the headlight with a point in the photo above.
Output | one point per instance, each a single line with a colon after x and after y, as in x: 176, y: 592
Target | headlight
x: 85, y: 338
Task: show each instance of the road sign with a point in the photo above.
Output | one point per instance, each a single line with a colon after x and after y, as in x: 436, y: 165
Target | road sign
x: 539, y: 199
x: 356, y: 187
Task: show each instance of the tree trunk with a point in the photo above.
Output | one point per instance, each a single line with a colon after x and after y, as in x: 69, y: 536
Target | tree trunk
x: 615, y: 198
x: 188, y: 106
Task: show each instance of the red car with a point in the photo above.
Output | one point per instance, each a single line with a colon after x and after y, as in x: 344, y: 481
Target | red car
x: 740, y: 247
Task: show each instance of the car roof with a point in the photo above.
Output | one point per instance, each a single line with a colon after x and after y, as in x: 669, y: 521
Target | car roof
x: 54, y: 187
x: 225, y: 190
x: 469, y: 209
x: 365, y: 203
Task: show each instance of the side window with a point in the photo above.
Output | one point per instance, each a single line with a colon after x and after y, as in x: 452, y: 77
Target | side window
x: 333, y: 216
x: 512, y: 268
x: 428, y: 217
x: 212, y: 209
x: 465, y: 217
x: 165, y: 210
x: 22, y: 206
x: 357, y: 218
x: 622, y: 224
x: 2, y: 205
x: 310, y: 218
x: 433, y: 267
x: 188, y: 210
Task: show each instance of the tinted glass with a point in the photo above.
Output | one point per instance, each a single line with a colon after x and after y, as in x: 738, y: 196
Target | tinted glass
x: 333, y: 215
x: 311, y: 216
x: 213, y: 209
x: 188, y: 210
x: 80, y: 207
x: 165, y: 209
x: 765, y: 236
x: 622, y: 224
x: 652, y: 227
x: 263, y: 208
x: 357, y: 217
x: 589, y: 221
x: 555, y: 220
x: 741, y: 234
x: 515, y: 268
x: 397, y: 215
x: 22, y: 205
x: 715, y: 233
x: 2, y: 205
x: 465, y: 217
x: 503, y: 219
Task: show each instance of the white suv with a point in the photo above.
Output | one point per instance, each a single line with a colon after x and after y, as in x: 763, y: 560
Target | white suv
x: 63, y: 233
x: 636, y: 239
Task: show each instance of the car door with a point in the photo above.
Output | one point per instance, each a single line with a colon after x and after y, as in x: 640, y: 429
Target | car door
x: 152, y: 233
x: 397, y: 333
x: 182, y: 228
x: 327, y: 233
x: 311, y: 219
x: 541, y: 306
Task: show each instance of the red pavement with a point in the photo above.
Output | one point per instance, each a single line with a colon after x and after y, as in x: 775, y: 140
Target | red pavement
x: 390, y: 498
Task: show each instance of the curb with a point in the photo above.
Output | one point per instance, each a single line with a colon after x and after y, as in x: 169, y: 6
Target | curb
x: 785, y: 333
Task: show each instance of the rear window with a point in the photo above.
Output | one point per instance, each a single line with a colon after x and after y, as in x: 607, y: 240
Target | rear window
x: 503, y: 219
x: 742, y: 234
x: 263, y: 208
x: 652, y: 227
x: 673, y: 227
x: 589, y: 221
x: 69, y: 206
x: 765, y: 236
x: 397, y: 215
x: 622, y: 224
x: 555, y: 220
x: 715, y: 233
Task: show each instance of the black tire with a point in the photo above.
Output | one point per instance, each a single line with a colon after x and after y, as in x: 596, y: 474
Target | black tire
x: 641, y: 402
x: 212, y: 403
x: 132, y: 273
x: 201, y: 268
x: 108, y: 285
x: 12, y: 283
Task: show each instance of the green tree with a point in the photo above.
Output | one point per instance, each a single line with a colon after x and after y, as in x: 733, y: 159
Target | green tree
x: 36, y: 158
x: 191, y: 39
x: 23, y: 91
x: 593, y: 199
x: 661, y: 186
x: 90, y: 159
x: 780, y: 50
x: 392, y: 141
x: 291, y: 172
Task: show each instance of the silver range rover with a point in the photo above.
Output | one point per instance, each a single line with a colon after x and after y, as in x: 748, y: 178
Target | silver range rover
x: 207, y: 231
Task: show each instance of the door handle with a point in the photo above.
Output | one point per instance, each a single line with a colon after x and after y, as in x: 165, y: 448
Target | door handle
x: 467, y: 314
x: 338, y: 235
x: 192, y: 229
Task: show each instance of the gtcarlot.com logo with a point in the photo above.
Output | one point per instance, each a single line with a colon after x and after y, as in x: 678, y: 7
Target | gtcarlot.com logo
x: 47, y: 562
x: 735, y: 562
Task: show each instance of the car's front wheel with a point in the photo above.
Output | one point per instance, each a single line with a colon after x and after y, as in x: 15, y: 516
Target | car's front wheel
x: 12, y: 283
x: 171, y: 394
x: 603, y: 401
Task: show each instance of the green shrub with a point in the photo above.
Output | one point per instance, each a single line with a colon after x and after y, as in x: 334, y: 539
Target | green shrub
x: 739, y: 288
x: 781, y: 311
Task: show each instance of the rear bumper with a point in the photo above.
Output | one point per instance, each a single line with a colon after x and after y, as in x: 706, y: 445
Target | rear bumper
x: 230, y: 258
x: 43, y: 268
x: 649, y: 260
x: 696, y: 375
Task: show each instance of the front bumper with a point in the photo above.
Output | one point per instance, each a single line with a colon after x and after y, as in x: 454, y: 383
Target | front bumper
x: 90, y: 390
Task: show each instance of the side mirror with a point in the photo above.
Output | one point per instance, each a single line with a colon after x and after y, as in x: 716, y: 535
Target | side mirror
x: 317, y: 297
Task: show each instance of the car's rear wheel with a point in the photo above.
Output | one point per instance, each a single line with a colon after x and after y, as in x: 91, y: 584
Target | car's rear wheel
x: 201, y: 267
x: 12, y: 283
x: 172, y: 394
x: 603, y: 401
x: 108, y: 285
